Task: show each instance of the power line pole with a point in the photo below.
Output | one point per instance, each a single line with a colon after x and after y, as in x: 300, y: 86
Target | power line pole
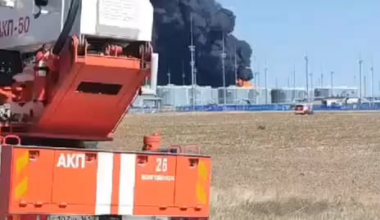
x: 266, y: 85
x: 192, y: 63
x: 223, y: 56
x: 307, y: 76
x: 360, y: 78
x: 257, y: 82
x: 332, y: 83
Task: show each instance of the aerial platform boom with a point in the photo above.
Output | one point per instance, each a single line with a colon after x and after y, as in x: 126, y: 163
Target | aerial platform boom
x: 69, y: 72
x: 100, y: 56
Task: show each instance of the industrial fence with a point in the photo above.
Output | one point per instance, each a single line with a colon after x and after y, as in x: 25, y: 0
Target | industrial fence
x: 256, y: 108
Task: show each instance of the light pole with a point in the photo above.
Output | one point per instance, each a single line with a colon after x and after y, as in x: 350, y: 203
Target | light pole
x: 223, y: 56
x: 364, y: 86
x: 307, y: 76
x: 332, y: 83
x: 183, y: 75
x: 192, y: 64
x: 169, y: 77
x: 266, y: 85
x: 321, y: 80
x: 294, y: 83
x: 257, y: 82
x: 372, y: 85
x: 311, y: 86
x: 235, y: 65
x: 288, y: 85
x: 360, y: 78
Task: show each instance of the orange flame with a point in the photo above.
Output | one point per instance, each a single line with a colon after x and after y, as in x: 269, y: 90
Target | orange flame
x: 244, y: 83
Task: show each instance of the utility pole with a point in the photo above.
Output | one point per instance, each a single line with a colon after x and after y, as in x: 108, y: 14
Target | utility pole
x: 266, y: 85
x: 307, y: 78
x: 360, y: 78
x: 223, y: 57
x: 332, y: 83
x: 192, y: 63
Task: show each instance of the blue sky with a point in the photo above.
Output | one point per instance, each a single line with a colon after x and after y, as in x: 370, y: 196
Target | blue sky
x: 334, y: 33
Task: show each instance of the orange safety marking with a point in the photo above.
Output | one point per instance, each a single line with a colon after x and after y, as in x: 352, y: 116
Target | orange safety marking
x: 202, y: 183
x: 22, y: 162
x: 22, y: 180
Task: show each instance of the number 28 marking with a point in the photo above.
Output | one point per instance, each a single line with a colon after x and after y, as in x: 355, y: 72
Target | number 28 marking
x: 162, y: 165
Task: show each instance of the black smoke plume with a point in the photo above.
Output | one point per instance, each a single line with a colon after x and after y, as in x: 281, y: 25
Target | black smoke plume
x: 210, y: 23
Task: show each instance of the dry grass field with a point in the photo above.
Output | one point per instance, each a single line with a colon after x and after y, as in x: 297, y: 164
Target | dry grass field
x: 278, y: 165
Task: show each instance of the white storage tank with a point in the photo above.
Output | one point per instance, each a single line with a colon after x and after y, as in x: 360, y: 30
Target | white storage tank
x: 174, y: 95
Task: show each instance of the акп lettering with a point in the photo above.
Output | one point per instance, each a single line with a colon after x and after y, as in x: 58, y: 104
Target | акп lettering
x: 73, y: 161
x: 9, y: 28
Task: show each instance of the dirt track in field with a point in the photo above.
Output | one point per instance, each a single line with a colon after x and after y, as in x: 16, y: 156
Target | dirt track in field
x: 278, y: 166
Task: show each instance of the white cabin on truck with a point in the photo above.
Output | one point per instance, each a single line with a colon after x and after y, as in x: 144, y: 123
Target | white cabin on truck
x: 118, y: 19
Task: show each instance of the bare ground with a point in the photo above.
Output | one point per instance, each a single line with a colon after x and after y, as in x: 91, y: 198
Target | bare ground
x: 278, y: 166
